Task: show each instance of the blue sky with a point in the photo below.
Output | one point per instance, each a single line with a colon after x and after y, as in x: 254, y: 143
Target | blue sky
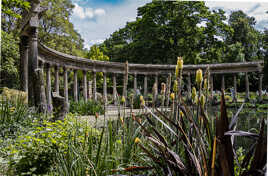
x: 95, y: 20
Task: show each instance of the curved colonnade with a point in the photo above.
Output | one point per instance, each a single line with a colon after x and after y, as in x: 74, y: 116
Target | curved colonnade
x: 35, y: 58
x: 54, y: 59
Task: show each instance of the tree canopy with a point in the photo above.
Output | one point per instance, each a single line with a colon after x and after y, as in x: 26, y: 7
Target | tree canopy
x: 164, y: 30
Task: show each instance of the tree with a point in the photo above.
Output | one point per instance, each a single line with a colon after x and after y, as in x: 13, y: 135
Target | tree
x: 164, y: 30
x: 244, y: 33
x: 95, y: 54
x: 9, y: 61
x: 56, y: 30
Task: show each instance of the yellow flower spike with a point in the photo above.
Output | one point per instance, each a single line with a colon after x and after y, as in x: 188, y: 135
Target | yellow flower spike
x: 175, y: 86
x: 196, y: 100
x: 163, y: 88
x: 142, y: 101
x: 123, y: 100
x: 205, y: 84
x: 177, y: 71
x: 180, y: 63
x: 199, y: 77
x: 202, y: 100
x: 172, y: 96
x: 193, y: 93
x: 122, y: 120
x: 137, y: 140
x: 141, y: 98
x: 181, y: 114
x: 97, y: 115
x: 12, y: 109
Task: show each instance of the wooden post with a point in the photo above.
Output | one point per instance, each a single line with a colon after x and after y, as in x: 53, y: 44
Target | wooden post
x: 260, y: 87
x: 24, y: 49
x: 114, y: 89
x: 189, y: 89
x: 135, y: 83
x: 75, y: 86
x: 85, y: 85
x: 94, y: 87
x: 235, y: 89
x: 168, y: 89
x: 222, y: 83
x: 104, y: 88
x: 247, y: 87
x: 145, y: 87
x: 90, y: 90
x: 48, y: 83
x: 56, y: 83
x: 156, y: 82
x: 66, y: 98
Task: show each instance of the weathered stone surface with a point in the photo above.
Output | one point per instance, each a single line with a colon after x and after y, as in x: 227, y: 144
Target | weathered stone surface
x: 60, y: 106
x: 75, y: 62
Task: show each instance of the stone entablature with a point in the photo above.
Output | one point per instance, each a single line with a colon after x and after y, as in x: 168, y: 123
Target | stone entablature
x: 54, y: 57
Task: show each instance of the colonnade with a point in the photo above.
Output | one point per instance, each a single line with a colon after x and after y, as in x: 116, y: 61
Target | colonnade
x: 90, y: 87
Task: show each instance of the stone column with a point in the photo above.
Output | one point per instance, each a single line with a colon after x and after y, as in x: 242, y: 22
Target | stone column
x: 24, y: 49
x: 33, y: 88
x: 211, y: 85
x: 260, y: 87
x: 125, y: 80
x: 65, y: 79
x: 189, y: 89
x: 104, y: 88
x: 90, y: 90
x: 156, y: 82
x: 247, y: 87
x: 135, y: 82
x: 48, y: 83
x: 56, y: 83
x: 41, y: 98
x: 168, y: 89
x: 85, y: 85
x: 75, y: 86
x: 94, y: 87
x: 145, y: 87
x: 222, y: 83
x: 235, y: 89
x: 114, y: 89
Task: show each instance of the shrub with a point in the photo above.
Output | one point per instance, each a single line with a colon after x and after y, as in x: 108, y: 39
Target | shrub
x: 86, y: 108
x: 35, y: 151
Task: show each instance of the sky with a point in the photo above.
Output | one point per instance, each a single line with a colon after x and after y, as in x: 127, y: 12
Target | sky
x: 95, y: 20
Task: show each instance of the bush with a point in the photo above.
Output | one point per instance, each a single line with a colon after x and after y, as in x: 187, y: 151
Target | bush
x: 36, y: 151
x: 86, y: 108
x: 14, y: 117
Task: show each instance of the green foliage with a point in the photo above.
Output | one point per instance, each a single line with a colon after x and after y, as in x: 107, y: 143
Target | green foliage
x: 95, y: 54
x: 9, y: 60
x: 34, y: 152
x: 56, y: 30
x: 14, y: 117
x: 9, y: 7
x: 86, y: 108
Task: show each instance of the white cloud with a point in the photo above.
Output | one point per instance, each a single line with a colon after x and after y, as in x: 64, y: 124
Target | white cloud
x: 110, y: 18
x: 255, y: 9
x: 89, y: 13
x: 99, y: 12
x: 78, y: 11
